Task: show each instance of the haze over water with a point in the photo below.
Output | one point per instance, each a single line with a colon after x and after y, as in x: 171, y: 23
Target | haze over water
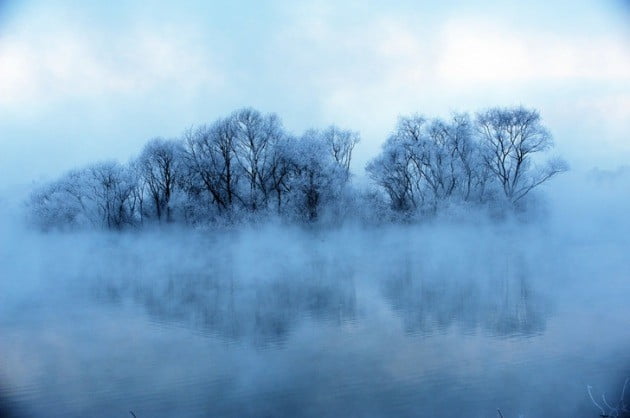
x: 274, y: 320
x: 447, y: 314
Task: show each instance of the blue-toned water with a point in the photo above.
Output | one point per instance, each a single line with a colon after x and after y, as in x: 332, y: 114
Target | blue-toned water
x: 432, y: 321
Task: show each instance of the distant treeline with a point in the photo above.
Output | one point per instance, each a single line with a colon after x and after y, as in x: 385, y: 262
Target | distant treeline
x: 247, y: 167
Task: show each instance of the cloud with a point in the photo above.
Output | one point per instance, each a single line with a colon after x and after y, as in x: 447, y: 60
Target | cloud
x: 352, y: 66
x: 76, y: 63
x: 86, y: 81
x: 474, y: 50
x: 362, y: 70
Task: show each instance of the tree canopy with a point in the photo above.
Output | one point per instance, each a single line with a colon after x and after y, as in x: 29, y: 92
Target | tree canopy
x: 247, y: 166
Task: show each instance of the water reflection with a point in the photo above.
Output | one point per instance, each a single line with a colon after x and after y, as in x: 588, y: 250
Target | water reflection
x: 502, y: 303
x: 264, y: 311
x: 326, y: 326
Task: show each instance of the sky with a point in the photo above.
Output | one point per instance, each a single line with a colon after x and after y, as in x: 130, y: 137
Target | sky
x: 87, y: 81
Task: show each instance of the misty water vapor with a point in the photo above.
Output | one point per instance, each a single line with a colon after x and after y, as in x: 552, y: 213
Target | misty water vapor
x: 435, y: 223
x: 277, y: 319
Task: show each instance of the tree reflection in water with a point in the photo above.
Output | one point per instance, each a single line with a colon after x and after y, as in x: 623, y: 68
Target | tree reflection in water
x: 260, y: 293
x: 503, y: 303
x: 264, y: 310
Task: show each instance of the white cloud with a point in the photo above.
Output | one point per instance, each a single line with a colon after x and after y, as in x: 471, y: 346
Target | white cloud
x: 363, y: 73
x: 358, y: 65
x: 40, y: 67
x: 475, y: 50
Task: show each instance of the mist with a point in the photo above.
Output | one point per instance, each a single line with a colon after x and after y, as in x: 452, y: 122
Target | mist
x: 314, y: 209
x: 279, y: 319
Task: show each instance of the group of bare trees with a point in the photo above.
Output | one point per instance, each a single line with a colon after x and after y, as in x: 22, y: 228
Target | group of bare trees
x: 425, y: 164
x: 103, y: 194
x: 247, y: 166
x: 244, y: 165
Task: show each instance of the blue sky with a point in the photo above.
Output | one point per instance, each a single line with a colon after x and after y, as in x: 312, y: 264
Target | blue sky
x: 87, y: 81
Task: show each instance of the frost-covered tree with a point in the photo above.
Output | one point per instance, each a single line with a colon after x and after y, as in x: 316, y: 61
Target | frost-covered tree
x: 281, y: 171
x: 256, y: 136
x: 425, y: 164
x: 238, y: 162
x: 392, y: 171
x: 317, y: 179
x: 60, y: 204
x: 341, y: 143
x: 160, y: 168
x: 212, y: 174
x: 100, y: 195
x: 245, y: 166
x: 509, y: 139
x: 112, y: 192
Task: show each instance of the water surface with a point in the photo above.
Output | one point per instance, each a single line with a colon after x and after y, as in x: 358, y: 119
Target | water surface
x: 434, y: 320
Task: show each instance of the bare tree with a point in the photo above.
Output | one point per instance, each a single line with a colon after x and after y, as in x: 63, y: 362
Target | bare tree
x: 281, y: 169
x: 248, y: 163
x: 427, y: 162
x: 341, y: 143
x: 139, y: 191
x: 316, y: 178
x: 59, y: 204
x: 99, y: 195
x: 111, y: 191
x: 391, y: 171
x: 453, y: 167
x: 256, y: 136
x: 414, y: 165
x: 160, y: 168
x: 211, y: 163
x: 509, y: 138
